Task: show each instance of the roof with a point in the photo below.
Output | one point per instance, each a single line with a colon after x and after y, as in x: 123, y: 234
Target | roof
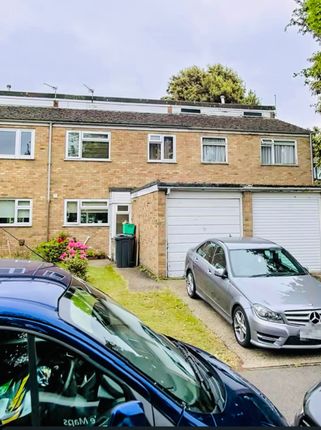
x: 22, y: 269
x: 149, y: 120
x: 131, y: 100
x: 246, y: 242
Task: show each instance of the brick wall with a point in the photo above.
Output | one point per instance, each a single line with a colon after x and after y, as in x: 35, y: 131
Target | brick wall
x: 148, y: 213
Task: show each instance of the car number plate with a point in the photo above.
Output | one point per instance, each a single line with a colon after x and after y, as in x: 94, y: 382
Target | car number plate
x: 311, y: 332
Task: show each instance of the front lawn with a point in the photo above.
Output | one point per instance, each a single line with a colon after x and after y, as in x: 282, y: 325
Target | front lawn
x: 162, y: 311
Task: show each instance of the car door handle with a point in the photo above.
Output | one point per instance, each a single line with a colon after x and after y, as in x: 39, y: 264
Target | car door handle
x: 196, y: 259
x: 209, y: 271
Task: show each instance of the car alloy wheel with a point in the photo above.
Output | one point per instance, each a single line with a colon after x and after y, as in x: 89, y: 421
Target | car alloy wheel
x: 241, y: 327
x: 190, y: 285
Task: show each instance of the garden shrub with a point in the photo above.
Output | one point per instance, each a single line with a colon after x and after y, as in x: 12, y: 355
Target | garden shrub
x: 51, y: 251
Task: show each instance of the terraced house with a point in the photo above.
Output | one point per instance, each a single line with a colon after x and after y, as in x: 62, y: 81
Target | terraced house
x: 182, y: 172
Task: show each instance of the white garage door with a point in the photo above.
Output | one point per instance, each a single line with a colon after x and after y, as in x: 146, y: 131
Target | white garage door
x: 293, y: 221
x: 196, y: 216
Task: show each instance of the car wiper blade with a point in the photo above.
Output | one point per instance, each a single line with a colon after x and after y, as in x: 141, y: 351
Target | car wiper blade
x: 263, y: 275
x: 194, y: 363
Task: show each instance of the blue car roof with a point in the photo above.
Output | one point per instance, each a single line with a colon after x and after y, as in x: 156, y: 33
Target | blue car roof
x: 32, y: 282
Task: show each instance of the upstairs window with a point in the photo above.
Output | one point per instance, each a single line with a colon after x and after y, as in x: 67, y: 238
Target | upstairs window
x: 161, y: 148
x: 214, y: 150
x: 280, y: 152
x: 88, y: 145
x: 16, y: 143
x: 15, y: 212
x: 86, y: 212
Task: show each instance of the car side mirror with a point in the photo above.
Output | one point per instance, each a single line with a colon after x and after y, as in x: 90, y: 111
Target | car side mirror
x: 129, y: 414
x: 222, y: 272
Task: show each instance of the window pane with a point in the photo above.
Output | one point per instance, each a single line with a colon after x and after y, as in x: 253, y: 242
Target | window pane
x: 23, y: 203
x: 73, y: 144
x: 72, y: 209
x: 72, y: 391
x: 23, y: 215
x: 92, y: 149
x: 120, y: 218
x: 266, y: 153
x: 154, y: 151
x: 214, y: 153
x: 7, y: 208
x: 214, y: 140
x: 168, y: 147
x: 7, y: 142
x: 94, y: 217
x: 26, y: 137
x: 15, y: 398
x: 93, y: 203
x: 219, y: 259
x: 122, y: 208
x: 284, y: 154
x: 95, y: 136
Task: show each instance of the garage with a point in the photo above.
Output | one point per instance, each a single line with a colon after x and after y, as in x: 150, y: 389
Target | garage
x: 293, y: 221
x: 196, y: 216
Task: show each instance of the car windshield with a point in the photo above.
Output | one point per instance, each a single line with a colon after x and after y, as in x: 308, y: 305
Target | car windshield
x: 263, y: 263
x: 153, y: 354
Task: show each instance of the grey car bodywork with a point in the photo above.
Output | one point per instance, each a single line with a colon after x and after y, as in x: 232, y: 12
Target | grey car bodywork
x: 293, y: 297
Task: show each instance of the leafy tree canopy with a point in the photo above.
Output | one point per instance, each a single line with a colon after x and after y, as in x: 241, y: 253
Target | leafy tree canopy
x: 208, y: 85
x: 316, y: 144
x: 307, y: 16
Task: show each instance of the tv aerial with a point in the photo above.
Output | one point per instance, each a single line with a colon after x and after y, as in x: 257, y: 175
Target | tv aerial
x: 52, y: 87
x: 91, y: 90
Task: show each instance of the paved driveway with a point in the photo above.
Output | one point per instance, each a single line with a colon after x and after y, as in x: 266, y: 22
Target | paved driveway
x: 253, y: 357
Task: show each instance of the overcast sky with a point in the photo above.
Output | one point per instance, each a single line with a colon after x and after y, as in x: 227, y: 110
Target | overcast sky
x: 130, y: 48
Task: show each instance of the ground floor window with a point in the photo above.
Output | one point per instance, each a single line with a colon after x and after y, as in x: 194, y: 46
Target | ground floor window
x: 86, y: 212
x: 15, y: 212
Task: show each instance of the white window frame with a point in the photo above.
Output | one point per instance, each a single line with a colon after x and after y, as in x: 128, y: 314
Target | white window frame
x: 269, y: 141
x: 159, y: 138
x: 80, y: 207
x: 17, y: 154
x: 225, y: 144
x: 81, y: 138
x: 16, y: 207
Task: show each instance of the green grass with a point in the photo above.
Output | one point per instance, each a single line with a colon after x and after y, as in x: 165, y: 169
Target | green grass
x: 163, y: 311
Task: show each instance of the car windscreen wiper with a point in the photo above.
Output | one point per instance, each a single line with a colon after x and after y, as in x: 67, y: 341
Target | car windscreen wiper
x: 194, y: 363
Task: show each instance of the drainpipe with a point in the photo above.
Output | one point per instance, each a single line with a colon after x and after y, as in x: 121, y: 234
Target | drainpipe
x: 312, y: 164
x: 49, y: 178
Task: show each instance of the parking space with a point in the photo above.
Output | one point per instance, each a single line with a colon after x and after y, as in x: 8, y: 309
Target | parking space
x: 250, y: 358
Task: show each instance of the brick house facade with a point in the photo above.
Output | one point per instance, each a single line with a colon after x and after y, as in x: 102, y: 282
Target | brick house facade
x: 56, y: 180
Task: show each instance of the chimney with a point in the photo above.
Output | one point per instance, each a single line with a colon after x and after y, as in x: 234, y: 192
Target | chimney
x: 55, y: 103
x: 222, y: 100
x: 169, y: 109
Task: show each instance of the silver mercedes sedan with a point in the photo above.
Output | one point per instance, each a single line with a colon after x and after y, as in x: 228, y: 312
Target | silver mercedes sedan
x: 259, y: 288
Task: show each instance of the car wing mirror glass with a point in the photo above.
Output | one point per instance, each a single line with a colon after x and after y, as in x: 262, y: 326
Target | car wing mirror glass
x: 129, y: 414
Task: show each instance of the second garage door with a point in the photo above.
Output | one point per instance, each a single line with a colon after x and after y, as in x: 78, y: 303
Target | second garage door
x: 293, y: 221
x: 196, y: 216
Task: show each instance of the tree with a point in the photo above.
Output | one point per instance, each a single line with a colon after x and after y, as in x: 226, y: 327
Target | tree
x: 208, y: 85
x: 316, y: 145
x: 307, y: 16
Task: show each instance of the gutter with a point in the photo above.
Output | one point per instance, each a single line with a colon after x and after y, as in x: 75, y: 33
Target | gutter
x: 311, y: 155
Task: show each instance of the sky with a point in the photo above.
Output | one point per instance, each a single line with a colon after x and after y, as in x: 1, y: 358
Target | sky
x: 130, y: 48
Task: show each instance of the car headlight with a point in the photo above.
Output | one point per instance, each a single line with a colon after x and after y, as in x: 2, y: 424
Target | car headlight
x: 266, y: 314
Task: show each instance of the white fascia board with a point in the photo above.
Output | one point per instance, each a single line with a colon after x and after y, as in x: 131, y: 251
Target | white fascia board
x: 144, y: 191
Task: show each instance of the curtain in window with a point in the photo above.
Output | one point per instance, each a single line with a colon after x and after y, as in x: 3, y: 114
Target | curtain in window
x: 266, y: 154
x: 284, y: 154
x: 214, y: 153
x: 7, y: 211
x: 72, y: 211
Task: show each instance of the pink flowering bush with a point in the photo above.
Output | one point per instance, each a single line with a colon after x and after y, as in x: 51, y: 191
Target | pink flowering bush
x: 74, y: 258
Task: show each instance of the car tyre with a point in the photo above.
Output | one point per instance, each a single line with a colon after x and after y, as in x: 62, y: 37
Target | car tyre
x: 190, y: 285
x: 241, y: 327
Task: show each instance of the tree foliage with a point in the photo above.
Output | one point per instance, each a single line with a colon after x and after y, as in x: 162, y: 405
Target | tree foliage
x: 307, y: 17
x: 316, y: 145
x: 208, y: 85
